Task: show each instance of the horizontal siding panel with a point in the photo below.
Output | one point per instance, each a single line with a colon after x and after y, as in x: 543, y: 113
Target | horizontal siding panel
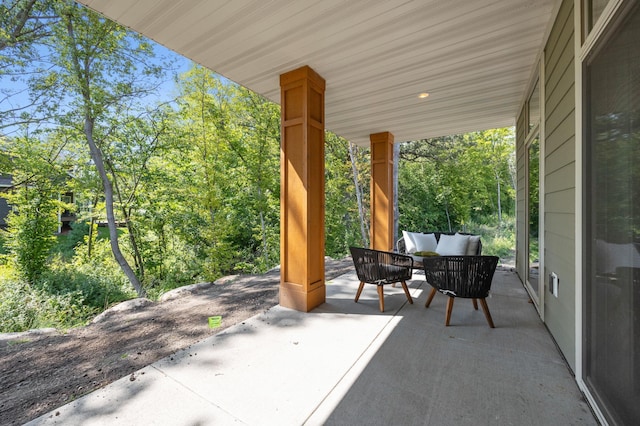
x: 562, y: 24
x: 565, y: 82
x: 555, y: 97
x: 560, y: 158
x: 559, y: 312
x: 561, y: 180
x: 564, y: 18
x: 560, y: 225
x: 562, y: 111
x: 561, y: 248
x: 564, y: 132
x: 560, y: 202
x: 559, y: 186
x: 560, y: 258
x: 521, y: 127
x: 560, y: 62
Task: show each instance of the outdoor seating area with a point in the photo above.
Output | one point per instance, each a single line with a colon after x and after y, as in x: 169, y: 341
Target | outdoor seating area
x: 466, y: 276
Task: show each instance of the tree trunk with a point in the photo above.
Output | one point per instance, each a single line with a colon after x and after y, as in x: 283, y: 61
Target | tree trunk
x: 396, y: 207
x: 137, y: 257
x: 499, y: 202
x: 96, y: 156
x: 93, y: 222
x: 82, y: 74
x: 356, y: 183
x: 263, y: 228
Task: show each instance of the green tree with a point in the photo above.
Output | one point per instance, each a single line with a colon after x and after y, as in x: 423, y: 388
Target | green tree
x: 346, y: 204
x: 256, y: 146
x: 228, y: 172
x: 447, y: 182
x: 24, y: 25
x: 38, y: 179
x: 99, y: 67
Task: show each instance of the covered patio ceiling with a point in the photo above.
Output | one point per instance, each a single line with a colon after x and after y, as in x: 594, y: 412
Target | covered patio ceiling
x: 475, y: 58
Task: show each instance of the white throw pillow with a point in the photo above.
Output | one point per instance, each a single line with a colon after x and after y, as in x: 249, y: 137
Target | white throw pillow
x: 425, y: 242
x: 472, y: 248
x: 409, y: 242
x: 452, y: 245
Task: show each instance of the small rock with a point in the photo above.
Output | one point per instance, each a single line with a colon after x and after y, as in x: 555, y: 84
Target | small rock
x: 128, y: 305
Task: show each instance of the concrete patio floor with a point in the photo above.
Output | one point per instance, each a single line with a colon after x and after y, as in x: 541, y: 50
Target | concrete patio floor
x: 348, y: 364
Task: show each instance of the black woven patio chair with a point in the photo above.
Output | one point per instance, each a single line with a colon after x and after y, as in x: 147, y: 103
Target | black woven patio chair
x: 380, y: 268
x: 461, y: 276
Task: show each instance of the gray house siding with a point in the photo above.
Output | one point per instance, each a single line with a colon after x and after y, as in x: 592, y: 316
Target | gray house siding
x: 559, y: 180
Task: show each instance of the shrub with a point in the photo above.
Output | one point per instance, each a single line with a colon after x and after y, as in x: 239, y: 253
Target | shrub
x: 497, y: 240
x: 67, y: 243
x: 94, y: 288
x: 31, y: 229
x: 23, y: 307
x: 67, y: 294
x: 501, y: 246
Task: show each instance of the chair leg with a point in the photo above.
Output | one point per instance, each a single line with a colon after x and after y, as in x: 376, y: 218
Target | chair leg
x: 431, y: 296
x: 449, y: 309
x: 381, y: 297
x: 487, y: 314
x: 406, y: 292
x: 359, y: 291
x: 475, y: 304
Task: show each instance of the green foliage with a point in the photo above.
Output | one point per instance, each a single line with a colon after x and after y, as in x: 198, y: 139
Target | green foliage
x: 38, y: 180
x: 97, y: 288
x: 342, y: 220
x: 68, y: 294
x: 23, y: 307
x: 223, y: 181
x: 24, y: 24
x: 31, y: 237
x: 497, y: 240
x: 445, y: 183
x: 67, y: 243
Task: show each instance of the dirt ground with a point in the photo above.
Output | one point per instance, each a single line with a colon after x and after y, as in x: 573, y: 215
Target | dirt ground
x: 42, y: 371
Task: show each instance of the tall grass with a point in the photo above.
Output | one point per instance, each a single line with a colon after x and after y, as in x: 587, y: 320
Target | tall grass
x: 498, y: 239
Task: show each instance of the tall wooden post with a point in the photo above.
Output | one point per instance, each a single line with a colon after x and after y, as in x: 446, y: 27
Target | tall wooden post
x: 302, y: 285
x: 382, y: 191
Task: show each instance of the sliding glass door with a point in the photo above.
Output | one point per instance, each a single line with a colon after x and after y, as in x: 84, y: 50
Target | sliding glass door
x: 612, y: 221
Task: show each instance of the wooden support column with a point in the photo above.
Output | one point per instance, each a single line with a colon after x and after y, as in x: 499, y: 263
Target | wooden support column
x: 302, y: 285
x: 382, y: 191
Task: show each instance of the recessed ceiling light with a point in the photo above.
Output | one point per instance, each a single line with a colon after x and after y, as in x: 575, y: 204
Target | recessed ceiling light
x: 423, y: 95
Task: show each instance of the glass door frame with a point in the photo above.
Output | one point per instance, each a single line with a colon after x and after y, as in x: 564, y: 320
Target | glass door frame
x: 535, y: 131
x: 535, y: 289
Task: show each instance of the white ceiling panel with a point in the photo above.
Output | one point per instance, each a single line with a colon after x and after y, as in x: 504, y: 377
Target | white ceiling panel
x: 474, y: 57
